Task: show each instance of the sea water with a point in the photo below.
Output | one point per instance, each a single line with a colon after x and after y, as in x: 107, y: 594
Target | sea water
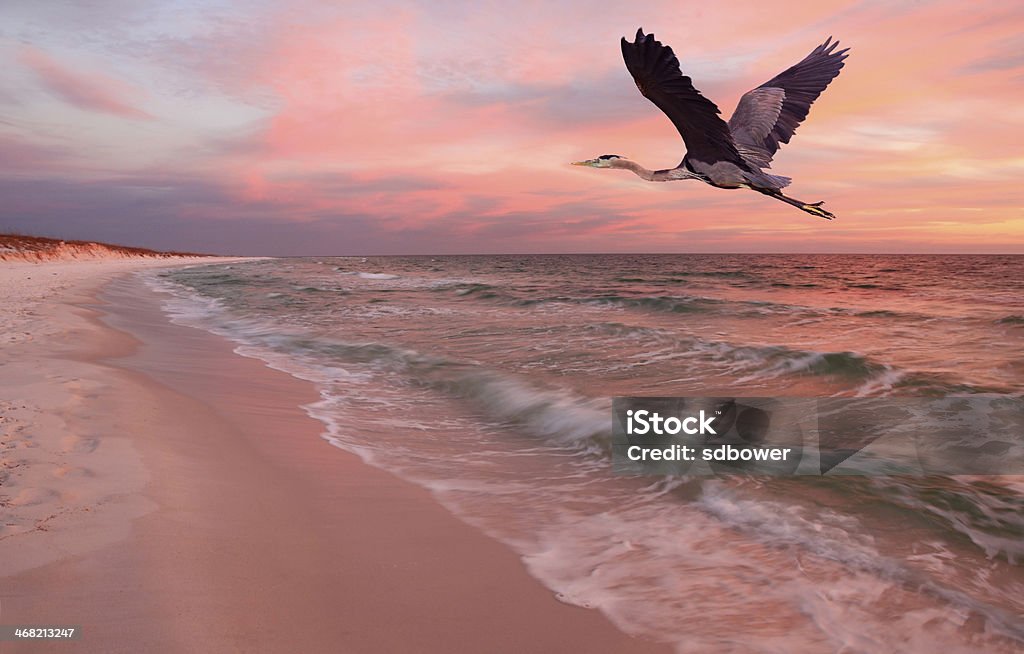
x: 488, y: 380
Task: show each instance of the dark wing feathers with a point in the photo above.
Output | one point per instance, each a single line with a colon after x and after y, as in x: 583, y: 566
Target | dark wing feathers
x: 655, y: 69
x: 802, y: 84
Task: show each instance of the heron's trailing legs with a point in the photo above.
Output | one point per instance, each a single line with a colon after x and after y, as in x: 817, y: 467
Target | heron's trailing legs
x: 813, y: 208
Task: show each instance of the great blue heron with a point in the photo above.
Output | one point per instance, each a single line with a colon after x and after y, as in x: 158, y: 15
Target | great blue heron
x: 733, y: 154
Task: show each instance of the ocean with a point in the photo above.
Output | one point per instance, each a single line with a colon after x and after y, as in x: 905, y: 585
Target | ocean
x: 488, y: 380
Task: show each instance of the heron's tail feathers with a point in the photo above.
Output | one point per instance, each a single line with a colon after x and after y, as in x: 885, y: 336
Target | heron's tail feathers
x: 761, y: 179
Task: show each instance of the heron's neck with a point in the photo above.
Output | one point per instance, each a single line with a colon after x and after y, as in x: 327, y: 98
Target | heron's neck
x: 649, y: 175
x: 635, y: 167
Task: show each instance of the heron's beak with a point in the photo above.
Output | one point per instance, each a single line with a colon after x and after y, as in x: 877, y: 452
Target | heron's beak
x: 588, y: 162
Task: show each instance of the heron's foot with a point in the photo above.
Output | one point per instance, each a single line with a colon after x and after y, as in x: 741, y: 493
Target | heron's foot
x: 815, y: 208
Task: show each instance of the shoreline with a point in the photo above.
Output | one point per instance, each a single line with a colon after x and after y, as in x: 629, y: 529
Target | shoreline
x: 233, y: 525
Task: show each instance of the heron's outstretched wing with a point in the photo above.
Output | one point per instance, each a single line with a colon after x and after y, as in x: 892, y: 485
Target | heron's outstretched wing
x: 769, y: 115
x: 655, y: 70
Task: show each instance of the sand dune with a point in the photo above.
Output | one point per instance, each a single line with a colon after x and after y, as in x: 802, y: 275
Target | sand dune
x: 34, y: 249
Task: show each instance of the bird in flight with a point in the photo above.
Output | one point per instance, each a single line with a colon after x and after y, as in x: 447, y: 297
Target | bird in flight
x: 734, y: 154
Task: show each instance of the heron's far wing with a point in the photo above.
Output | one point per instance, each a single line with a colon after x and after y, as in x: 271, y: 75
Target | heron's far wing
x: 655, y: 70
x: 800, y: 86
x: 754, y: 119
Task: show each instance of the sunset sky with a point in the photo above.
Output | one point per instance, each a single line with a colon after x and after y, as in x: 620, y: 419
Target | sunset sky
x: 389, y: 127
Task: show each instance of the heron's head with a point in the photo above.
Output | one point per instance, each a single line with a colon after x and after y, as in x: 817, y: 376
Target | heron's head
x: 604, y: 161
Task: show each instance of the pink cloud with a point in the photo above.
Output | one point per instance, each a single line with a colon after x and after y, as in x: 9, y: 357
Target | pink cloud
x: 19, y: 154
x: 87, y: 90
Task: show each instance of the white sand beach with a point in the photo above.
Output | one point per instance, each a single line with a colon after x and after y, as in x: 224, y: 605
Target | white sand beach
x: 167, y: 495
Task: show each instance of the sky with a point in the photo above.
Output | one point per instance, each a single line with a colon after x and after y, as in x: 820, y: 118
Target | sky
x: 302, y: 127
